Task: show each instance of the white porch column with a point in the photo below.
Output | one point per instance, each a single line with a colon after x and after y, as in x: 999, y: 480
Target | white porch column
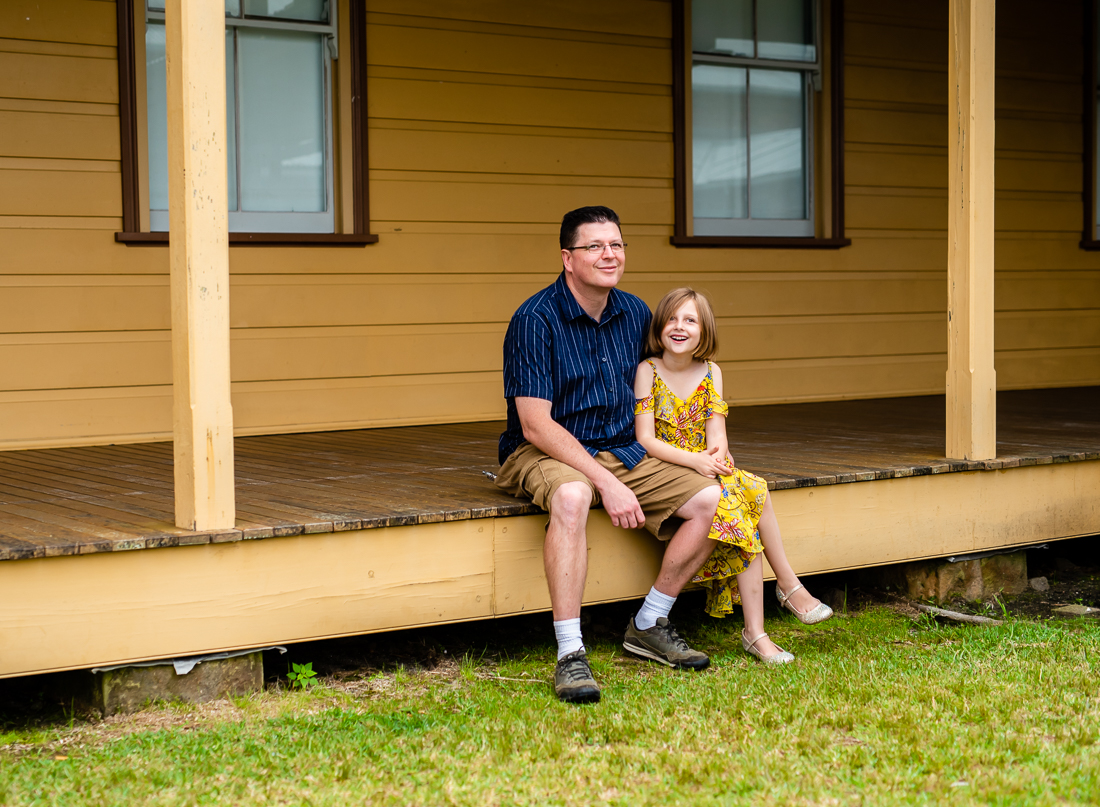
x: 971, y: 380
x: 199, y: 254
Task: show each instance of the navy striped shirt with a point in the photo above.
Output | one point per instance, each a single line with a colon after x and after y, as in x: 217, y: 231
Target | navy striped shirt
x: 555, y: 351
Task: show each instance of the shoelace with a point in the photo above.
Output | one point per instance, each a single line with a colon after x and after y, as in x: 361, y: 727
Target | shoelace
x: 674, y: 638
x: 576, y: 669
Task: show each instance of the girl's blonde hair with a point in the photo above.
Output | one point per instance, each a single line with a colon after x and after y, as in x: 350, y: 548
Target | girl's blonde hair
x: 669, y: 305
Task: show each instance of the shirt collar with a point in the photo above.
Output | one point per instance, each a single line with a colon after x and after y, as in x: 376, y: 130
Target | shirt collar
x: 571, y: 309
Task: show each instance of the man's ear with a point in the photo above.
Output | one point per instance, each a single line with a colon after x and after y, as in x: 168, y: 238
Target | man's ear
x: 567, y: 260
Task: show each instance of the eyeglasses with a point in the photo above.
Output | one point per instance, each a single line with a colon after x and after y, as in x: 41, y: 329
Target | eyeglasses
x: 597, y: 249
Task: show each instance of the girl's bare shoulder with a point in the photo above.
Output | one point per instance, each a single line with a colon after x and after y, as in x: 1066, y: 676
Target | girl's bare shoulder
x: 716, y: 377
x: 643, y: 379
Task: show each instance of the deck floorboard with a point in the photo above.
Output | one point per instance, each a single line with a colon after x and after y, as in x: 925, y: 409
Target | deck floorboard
x: 66, y: 501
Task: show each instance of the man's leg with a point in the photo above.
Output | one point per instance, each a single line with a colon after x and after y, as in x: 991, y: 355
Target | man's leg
x: 565, y: 558
x: 565, y: 552
x: 649, y: 634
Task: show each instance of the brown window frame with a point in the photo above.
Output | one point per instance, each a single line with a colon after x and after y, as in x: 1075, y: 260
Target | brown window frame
x: 132, y: 235
x: 1089, y: 241
x: 835, y: 67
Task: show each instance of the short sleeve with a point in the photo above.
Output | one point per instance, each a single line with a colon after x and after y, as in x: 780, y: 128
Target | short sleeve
x: 527, y: 359
x: 644, y: 405
x: 715, y: 405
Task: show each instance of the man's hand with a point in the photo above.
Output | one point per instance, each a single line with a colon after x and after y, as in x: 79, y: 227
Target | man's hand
x: 545, y: 434
x: 621, y: 504
x: 710, y: 463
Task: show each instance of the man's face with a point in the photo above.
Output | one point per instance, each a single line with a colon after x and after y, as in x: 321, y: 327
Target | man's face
x: 595, y: 274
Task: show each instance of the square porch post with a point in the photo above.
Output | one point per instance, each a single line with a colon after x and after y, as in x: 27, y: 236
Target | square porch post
x: 199, y: 259
x: 971, y: 379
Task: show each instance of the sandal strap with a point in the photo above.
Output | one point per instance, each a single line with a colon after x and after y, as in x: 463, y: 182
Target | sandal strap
x: 757, y: 639
x: 784, y: 597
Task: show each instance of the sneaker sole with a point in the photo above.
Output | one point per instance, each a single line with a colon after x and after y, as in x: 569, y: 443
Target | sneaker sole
x: 580, y: 695
x: 646, y: 653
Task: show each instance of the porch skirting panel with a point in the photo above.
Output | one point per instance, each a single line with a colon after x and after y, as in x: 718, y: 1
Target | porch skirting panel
x: 79, y: 611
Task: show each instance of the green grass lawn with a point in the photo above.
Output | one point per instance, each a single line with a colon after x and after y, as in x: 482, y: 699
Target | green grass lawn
x: 878, y: 709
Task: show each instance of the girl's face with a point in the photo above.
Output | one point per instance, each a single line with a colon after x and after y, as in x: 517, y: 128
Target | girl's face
x: 682, y: 332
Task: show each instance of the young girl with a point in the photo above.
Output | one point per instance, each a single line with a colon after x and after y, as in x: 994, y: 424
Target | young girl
x: 680, y: 418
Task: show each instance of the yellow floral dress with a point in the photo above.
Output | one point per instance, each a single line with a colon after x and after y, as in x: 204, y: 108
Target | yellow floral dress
x: 736, y: 523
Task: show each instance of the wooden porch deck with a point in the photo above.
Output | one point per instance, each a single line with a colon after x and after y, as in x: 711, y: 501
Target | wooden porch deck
x: 73, y: 501
x: 345, y: 533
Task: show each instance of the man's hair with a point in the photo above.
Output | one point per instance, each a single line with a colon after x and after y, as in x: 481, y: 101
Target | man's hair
x: 669, y: 305
x: 575, y: 219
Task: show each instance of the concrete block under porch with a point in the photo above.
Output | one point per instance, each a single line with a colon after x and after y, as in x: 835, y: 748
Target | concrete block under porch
x: 356, y: 532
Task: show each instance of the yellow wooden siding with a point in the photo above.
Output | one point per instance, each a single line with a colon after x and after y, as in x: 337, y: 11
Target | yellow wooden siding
x: 488, y: 121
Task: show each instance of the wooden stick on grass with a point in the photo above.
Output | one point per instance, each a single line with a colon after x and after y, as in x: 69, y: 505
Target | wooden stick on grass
x: 955, y: 616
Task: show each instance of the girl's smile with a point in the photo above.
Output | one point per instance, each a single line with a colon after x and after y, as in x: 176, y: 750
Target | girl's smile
x: 682, y: 332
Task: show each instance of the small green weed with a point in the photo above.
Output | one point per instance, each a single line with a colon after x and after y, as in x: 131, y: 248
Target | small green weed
x: 302, y: 676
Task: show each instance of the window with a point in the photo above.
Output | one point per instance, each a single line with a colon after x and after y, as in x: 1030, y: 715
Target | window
x: 278, y: 117
x: 751, y: 84
x: 287, y: 169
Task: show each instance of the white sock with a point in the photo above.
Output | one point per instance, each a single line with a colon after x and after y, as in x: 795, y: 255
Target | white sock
x: 568, y: 632
x: 656, y: 605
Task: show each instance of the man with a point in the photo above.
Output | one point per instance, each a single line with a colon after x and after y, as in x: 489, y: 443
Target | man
x: 569, y: 360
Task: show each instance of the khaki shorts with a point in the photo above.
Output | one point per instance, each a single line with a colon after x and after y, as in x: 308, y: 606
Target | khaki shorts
x: 661, y: 487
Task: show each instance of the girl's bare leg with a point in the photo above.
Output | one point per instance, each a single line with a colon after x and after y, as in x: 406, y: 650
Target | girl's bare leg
x: 751, y: 585
x: 785, y: 577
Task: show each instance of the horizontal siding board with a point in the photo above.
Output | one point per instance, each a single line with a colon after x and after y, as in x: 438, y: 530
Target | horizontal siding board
x: 506, y: 202
x: 579, y: 156
x: 1031, y: 369
x: 58, y: 78
x: 863, y: 125
x: 651, y: 18
x: 59, y: 136
x: 489, y: 53
x: 895, y: 43
x: 528, y: 106
x: 88, y: 22
x: 60, y: 193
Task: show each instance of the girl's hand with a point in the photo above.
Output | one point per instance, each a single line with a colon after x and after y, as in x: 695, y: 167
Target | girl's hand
x: 710, y: 465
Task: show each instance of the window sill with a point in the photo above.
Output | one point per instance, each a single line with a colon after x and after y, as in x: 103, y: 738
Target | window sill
x: 261, y: 239
x: 1090, y: 245
x: 762, y: 242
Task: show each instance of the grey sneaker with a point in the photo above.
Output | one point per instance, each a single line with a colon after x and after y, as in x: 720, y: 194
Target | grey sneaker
x: 662, y: 643
x: 573, y: 679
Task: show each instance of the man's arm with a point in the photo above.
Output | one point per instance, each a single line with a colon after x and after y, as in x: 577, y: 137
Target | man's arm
x: 547, y: 436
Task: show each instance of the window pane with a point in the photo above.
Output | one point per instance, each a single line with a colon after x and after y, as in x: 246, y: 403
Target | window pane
x: 785, y: 30
x: 722, y: 26
x: 156, y: 98
x: 232, y: 7
x: 282, y: 133
x: 309, y: 10
x: 718, y: 141
x: 776, y: 144
x: 156, y: 93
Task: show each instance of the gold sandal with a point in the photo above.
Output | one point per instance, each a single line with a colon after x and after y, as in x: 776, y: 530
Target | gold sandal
x: 819, y: 613
x: 782, y: 657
